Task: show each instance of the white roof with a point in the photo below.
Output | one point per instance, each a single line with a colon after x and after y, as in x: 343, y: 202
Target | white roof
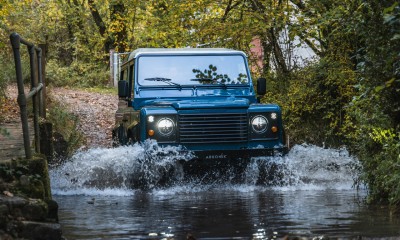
x: 183, y: 51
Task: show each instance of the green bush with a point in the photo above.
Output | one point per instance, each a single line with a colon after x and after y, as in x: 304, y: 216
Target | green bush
x: 313, y: 101
x: 65, y: 124
x: 7, y: 74
x: 7, y: 69
x: 78, y: 74
x: 374, y: 122
x: 382, y: 166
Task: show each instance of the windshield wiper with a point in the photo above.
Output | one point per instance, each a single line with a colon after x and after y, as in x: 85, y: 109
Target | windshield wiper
x: 202, y: 79
x: 205, y: 80
x: 161, y: 79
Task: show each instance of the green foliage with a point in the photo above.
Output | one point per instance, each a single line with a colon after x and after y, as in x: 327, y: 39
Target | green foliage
x: 65, y: 124
x: 78, y: 74
x: 7, y: 71
x: 383, y: 166
x: 375, y: 109
x: 103, y: 90
x: 4, y: 132
x: 315, y: 99
x: 8, y: 76
x: 27, y: 178
x: 7, y: 173
x: 350, y: 94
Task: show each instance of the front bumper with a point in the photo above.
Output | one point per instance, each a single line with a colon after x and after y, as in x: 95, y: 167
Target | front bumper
x: 211, y: 155
x: 220, y: 159
x: 231, y: 162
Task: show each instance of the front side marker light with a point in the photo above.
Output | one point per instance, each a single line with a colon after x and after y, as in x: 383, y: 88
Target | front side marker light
x: 273, y: 116
x: 151, y: 132
x: 150, y: 119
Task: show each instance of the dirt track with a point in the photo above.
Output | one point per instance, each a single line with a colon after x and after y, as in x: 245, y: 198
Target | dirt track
x: 95, y: 111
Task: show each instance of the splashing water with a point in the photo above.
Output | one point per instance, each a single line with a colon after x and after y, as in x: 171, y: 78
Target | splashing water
x: 308, y: 167
x: 118, y: 171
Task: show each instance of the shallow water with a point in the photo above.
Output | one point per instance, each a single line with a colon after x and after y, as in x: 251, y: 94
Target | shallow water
x: 224, y: 213
x: 314, y: 196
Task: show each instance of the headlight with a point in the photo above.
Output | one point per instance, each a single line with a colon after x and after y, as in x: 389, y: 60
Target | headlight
x: 165, y: 126
x: 259, y: 124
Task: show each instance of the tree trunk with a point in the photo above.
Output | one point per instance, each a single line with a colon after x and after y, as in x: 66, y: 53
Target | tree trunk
x: 108, y: 43
x: 277, y: 50
x: 266, y: 47
x: 117, y: 16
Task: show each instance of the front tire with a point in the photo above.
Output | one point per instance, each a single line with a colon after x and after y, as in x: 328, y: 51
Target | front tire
x: 119, y: 136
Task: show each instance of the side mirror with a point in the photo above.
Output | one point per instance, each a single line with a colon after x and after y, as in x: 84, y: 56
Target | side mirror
x: 261, y: 86
x: 122, y: 88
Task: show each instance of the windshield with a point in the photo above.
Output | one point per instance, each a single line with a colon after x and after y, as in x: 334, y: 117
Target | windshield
x: 192, y: 70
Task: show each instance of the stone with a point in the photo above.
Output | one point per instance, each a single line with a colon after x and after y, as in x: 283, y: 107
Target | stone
x: 3, y: 209
x: 13, y: 202
x: 24, y: 181
x: 5, y: 236
x: 35, y: 211
x: 52, y: 210
x: 37, y: 190
x: 8, y: 194
x: 40, y: 231
x: 3, y: 185
x: 3, y: 216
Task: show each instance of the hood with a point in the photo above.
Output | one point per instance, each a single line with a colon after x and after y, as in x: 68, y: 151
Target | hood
x: 229, y: 102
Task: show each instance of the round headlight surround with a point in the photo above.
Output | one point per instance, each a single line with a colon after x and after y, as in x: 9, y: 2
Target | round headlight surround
x: 259, y: 124
x: 165, y: 126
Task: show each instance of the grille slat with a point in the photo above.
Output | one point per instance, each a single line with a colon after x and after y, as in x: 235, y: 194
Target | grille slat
x: 213, y: 121
x: 214, y: 136
x: 213, y: 128
x: 213, y: 125
x: 188, y: 128
x: 211, y: 131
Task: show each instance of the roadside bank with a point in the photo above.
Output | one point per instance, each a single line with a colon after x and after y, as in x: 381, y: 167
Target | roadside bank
x: 27, y: 210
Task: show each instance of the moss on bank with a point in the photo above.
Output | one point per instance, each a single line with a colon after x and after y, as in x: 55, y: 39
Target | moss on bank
x: 26, y: 177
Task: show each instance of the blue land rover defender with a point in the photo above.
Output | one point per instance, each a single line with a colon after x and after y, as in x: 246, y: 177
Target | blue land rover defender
x: 200, y: 99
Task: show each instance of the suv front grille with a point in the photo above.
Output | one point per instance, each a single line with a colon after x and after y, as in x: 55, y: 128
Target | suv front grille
x: 213, y: 128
